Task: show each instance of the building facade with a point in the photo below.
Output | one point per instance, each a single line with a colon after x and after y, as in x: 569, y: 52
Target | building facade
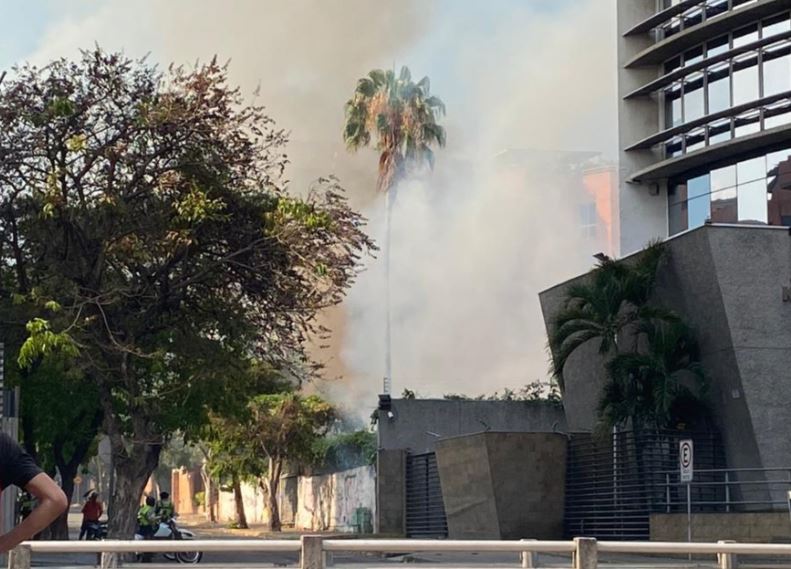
x: 704, y: 115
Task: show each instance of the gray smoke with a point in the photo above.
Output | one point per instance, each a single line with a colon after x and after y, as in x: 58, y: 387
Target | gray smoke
x: 474, y: 243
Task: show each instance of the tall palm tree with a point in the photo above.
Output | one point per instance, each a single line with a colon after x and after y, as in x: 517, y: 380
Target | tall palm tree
x: 400, y: 117
x: 612, y: 301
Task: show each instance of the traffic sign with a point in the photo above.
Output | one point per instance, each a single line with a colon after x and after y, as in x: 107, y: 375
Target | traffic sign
x: 686, y: 459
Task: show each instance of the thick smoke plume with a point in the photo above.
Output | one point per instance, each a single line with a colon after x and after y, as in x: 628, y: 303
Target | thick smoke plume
x: 475, y: 242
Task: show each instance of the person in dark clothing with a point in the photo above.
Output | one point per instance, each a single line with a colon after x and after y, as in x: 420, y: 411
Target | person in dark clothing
x: 17, y: 468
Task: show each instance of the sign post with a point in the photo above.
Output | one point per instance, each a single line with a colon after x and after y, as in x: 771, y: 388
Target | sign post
x: 686, y: 464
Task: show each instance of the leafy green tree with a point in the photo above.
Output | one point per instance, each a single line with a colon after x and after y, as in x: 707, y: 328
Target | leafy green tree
x: 149, y: 205
x: 614, y: 300
x: 661, y: 386
x: 340, y: 451
x: 284, y: 427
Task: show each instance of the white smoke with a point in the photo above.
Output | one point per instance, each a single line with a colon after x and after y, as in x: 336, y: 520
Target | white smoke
x: 474, y: 243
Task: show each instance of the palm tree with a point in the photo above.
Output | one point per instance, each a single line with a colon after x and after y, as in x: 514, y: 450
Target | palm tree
x: 660, y: 386
x: 400, y: 116
x: 614, y: 299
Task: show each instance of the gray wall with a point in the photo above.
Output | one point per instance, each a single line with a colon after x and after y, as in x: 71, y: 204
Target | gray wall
x: 503, y: 485
x: 727, y: 282
x: 414, y: 419
x: 390, y: 491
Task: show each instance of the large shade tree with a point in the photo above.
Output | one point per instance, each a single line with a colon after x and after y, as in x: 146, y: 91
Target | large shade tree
x: 399, y: 118
x: 149, y: 206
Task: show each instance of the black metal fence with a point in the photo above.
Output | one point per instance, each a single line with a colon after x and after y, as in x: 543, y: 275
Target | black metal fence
x: 614, y: 483
x: 425, y: 511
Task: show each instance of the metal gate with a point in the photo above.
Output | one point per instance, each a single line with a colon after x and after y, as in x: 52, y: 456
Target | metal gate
x: 425, y: 511
x: 615, y: 483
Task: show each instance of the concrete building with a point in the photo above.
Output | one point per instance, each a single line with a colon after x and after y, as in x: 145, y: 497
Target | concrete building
x: 704, y: 115
x: 705, y: 163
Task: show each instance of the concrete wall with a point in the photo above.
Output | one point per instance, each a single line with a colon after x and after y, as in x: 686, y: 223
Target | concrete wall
x: 746, y: 527
x: 390, y: 492
x: 323, y: 503
x: 726, y: 281
x: 503, y: 485
x: 417, y: 424
x: 643, y: 214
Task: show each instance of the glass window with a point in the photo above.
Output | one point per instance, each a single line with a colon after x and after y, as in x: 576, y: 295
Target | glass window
x: 677, y: 208
x: 717, y: 46
x: 752, y: 201
x: 775, y: 25
x: 740, y: 3
x: 715, y: 8
x: 695, y: 140
x: 693, y: 97
x: 778, y: 168
x: 751, y: 170
x: 747, y: 123
x: 719, y: 87
x: 723, y: 206
x: 673, y: 113
x: 745, y: 78
x: 720, y: 131
x: 693, y: 55
x: 745, y: 35
x: 672, y: 64
x: 723, y: 178
x: 699, y: 201
x: 777, y: 69
x: 692, y: 17
x: 777, y: 115
x: 674, y: 147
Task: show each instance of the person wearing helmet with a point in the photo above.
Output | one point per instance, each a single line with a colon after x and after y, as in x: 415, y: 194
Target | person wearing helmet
x: 165, y: 508
x: 91, y: 512
x: 147, y: 520
x: 17, y: 468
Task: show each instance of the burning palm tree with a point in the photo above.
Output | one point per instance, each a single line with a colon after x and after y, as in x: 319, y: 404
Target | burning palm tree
x: 402, y: 117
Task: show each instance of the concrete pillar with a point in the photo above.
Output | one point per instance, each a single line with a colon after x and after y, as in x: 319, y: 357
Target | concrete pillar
x: 528, y: 558
x: 727, y: 560
x: 108, y: 560
x: 586, y: 555
x: 19, y: 557
x: 312, y: 556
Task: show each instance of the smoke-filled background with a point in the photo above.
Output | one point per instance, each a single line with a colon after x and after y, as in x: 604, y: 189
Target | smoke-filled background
x: 475, y: 242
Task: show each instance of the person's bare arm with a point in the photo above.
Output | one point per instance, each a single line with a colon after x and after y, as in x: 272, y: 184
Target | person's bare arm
x: 51, y: 503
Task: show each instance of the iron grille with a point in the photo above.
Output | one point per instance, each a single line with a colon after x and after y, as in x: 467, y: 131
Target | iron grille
x: 425, y: 511
x: 614, y: 483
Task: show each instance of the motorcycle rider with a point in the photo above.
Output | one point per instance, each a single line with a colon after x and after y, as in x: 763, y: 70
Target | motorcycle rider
x: 147, y: 519
x: 165, y: 508
x: 91, y: 512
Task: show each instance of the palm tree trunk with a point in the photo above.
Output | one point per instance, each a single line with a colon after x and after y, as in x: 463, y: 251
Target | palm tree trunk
x: 389, y: 200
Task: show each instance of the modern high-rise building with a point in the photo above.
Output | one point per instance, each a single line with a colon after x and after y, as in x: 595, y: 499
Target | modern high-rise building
x: 704, y: 115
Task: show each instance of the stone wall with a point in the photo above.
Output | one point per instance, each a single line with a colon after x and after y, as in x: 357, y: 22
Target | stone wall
x: 315, y: 503
x: 503, y: 485
x: 749, y: 527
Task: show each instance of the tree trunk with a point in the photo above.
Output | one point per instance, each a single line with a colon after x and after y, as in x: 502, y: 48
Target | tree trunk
x: 272, y: 488
x: 241, y: 516
x: 59, y: 530
x: 209, y: 494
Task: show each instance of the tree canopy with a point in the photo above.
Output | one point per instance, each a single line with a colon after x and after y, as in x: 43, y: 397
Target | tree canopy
x: 149, y: 207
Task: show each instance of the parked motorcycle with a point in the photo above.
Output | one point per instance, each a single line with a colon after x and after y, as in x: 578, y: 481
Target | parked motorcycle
x: 96, y: 531
x: 170, y: 530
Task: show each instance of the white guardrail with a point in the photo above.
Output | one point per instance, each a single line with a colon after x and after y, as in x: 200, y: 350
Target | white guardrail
x: 314, y: 549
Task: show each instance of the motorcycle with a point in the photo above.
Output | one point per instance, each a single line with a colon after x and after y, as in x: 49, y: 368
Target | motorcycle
x: 169, y: 530
x: 96, y: 531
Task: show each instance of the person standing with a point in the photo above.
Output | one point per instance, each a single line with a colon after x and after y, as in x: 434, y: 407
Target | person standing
x: 17, y: 468
x: 91, y: 512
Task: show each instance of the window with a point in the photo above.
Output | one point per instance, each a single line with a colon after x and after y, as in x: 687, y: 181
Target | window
x: 717, y: 46
x: 693, y: 97
x: 699, y: 208
x: 745, y: 35
x: 693, y: 55
x: 719, y: 87
x: 695, y: 140
x: 777, y: 69
x: 720, y: 131
x: 745, y: 78
x: 775, y: 25
x: 715, y: 8
x: 589, y: 219
x: 747, y: 123
x: 673, y: 111
x: 777, y: 114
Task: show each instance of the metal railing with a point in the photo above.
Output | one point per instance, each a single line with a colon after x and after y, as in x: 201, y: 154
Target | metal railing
x: 314, y: 550
x: 729, y: 490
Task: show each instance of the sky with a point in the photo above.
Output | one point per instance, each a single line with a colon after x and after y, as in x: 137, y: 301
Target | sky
x: 471, y: 249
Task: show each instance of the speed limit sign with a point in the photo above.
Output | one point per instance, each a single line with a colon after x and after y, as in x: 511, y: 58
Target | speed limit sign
x: 686, y: 459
